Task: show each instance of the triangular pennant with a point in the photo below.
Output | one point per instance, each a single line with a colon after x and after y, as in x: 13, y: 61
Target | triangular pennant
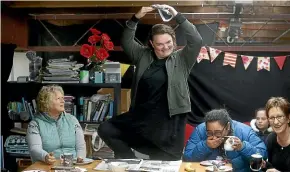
x: 263, y: 63
x: 213, y: 53
x: 247, y: 60
x: 202, y: 54
x: 230, y: 59
x: 280, y: 61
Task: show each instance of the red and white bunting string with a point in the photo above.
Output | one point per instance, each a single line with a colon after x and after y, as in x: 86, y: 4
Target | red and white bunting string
x: 231, y: 59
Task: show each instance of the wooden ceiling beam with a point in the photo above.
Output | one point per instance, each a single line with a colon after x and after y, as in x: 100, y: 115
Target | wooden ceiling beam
x: 182, y: 9
x: 92, y: 3
x: 85, y: 4
x: 204, y: 16
x: 281, y: 48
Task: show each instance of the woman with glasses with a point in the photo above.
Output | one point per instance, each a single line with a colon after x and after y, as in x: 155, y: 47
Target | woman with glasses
x: 206, y: 142
x: 278, y: 142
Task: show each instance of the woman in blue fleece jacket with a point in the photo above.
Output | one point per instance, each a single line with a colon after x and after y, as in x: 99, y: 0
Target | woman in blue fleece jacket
x: 206, y: 142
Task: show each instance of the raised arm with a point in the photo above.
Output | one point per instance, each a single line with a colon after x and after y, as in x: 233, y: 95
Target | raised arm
x: 190, y: 52
x: 133, y: 49
x: 35, y: 143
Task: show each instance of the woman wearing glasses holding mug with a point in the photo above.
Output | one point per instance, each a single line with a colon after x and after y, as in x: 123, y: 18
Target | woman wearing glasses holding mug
x: 210, y: 140
x: 278, y: 142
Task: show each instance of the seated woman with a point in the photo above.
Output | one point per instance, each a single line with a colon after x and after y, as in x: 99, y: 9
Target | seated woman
x: 278, y: 142
x: 53, y: 132
x: 261, y: 124
x: 206, y: 142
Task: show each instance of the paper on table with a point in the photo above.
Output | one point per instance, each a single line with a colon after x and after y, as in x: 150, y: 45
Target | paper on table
x: 144, y: 165
x: 134, y: 164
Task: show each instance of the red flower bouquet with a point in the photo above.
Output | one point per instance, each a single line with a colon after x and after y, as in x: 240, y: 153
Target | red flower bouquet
x: 97, y: 51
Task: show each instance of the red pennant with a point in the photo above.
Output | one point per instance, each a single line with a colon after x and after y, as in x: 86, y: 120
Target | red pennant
x: 280, y: 60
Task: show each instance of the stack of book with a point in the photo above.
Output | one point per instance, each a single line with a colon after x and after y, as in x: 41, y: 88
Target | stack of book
x: 61, y: 71
x: 69, y: 105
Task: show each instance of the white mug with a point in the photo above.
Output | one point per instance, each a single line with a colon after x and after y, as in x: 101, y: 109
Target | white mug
x: 229, y: 142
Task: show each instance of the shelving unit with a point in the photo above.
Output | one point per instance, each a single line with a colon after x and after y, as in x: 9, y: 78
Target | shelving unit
x: 69, y: 88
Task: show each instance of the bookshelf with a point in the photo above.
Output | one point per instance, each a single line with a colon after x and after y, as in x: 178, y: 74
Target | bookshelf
x: 29, y: 90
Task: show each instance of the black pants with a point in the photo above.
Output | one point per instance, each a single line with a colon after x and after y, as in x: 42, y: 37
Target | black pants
x: 121, y: 143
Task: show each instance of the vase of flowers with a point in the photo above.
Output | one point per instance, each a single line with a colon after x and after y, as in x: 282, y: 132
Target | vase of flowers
x: 97, y: 52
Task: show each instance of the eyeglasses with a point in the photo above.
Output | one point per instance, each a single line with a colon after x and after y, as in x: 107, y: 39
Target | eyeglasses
x: 279, y: 118
x: 217, y: 133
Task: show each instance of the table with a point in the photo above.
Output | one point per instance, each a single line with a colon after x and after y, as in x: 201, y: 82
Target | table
x: 90, y: 167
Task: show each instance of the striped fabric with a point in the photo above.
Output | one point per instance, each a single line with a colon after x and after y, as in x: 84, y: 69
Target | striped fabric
x: 230, y: 59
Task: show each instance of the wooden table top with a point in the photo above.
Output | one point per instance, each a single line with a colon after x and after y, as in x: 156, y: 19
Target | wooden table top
x: 90, y: 167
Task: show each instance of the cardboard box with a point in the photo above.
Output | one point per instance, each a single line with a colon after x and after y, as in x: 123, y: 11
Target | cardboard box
x: 125, y: 97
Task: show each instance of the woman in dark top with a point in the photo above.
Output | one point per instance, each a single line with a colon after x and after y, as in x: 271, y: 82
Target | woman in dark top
x: 155, y: 123
x: 278, y: 142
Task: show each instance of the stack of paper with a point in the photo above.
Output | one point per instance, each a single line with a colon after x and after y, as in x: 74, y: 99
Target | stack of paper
x: 61, y: 71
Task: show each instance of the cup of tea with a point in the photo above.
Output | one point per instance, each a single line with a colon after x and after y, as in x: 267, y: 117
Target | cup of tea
x: 229, y: 142
x: 256, y: 162
x: 66, y: 159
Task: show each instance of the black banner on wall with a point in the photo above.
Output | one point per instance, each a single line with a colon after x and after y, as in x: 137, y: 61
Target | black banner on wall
x: 240, y: 91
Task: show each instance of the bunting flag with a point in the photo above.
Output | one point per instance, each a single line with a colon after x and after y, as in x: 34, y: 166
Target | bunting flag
x: 202, y: 54
x: 280, y: 60
x: 247, y: 60
x: 230, y: 59
x: 213, y: 53
x: 263, y: 63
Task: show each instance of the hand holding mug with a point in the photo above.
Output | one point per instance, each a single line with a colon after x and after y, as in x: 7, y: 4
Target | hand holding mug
x: 164, y: 6
x: 49, y: 158
x: 232, y: 143
x: 238, y: 144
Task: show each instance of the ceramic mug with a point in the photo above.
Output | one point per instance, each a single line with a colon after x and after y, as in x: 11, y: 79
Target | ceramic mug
x: 256, y: 162
x: 229, y: 142
x: 66, y: 159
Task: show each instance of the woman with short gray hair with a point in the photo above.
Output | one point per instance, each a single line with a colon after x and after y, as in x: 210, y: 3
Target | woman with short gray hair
x: 53, y: 132
x: 207, y: 141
